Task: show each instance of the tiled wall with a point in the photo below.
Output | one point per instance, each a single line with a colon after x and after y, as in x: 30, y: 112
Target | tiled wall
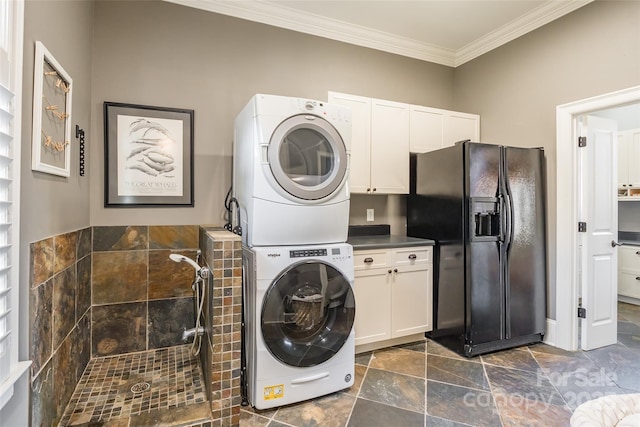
x: 221, y: 352
x: 141, y: 299
x: 60, y: 320
x: 103, y: 291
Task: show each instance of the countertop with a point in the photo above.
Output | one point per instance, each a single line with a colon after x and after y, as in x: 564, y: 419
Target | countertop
x: 629, y: 238
x: 378, y: 237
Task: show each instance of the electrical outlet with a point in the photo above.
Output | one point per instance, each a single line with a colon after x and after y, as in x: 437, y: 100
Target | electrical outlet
x: 369, y: 214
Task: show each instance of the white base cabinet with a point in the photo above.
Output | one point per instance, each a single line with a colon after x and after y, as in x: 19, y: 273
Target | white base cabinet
x: 628, y: 272
x: 393, y: 291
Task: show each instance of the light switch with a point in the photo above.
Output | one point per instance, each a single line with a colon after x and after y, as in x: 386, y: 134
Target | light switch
x: 370, y: 215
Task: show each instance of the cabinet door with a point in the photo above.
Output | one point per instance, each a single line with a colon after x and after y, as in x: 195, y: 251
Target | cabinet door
x: 389, y: 147
x: 426, y: 129
x: 411, y: 301
x: 460, y: 126
x: 628, y: 284
x: 634, y: 158
x: 373, y: 312
x: 360, y: 166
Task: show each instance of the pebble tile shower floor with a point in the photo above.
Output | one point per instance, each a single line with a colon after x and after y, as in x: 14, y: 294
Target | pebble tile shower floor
x: 145, y: 388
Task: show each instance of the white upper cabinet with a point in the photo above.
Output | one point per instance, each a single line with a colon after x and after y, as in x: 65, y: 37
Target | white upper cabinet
x: 379, y: 162
x: 434, y: 128
x: 629, y: 164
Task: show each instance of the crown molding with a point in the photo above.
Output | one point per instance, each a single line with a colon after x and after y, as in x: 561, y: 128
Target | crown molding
x: 283, y: 17
x: 538, y: 17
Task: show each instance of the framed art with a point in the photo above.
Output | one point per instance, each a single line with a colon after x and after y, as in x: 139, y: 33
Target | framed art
x: 148, y: 155
x: 52, y: 96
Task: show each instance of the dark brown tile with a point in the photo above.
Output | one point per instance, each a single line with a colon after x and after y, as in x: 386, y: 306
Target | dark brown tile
x: 461, y: 404
x: 83, y: 296
x: 81, y: 344
x: 548, y: 349
x: 120, y: 238
x: 64, y: 374
x: 64, y: 304
x: 535, y: 386
x: 518, y: 410
x: 119, y: 277
x: 399, y: 360
x: 364, y: 358
x: 248, y: 419
x: 43, y: 407
x: 460, y: 372
x: 168, y: 279
x: 65, y: 246
x: 515, y: 358
x: 41, y: 321
x: 41, y: 261
x: 119, y: 328
x: 84, y: 243
x: 167, y: 319
x: 440, y: 350
x: 180, y: 415
x: 330, y: 411
x: 401, y: 391
x: 366, y: 414
x: 174, y: 237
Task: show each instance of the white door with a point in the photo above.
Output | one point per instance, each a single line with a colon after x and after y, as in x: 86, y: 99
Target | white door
x: 599, y: 209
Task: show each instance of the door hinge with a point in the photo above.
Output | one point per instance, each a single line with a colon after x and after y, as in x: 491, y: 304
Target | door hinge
x: 582, y: 141
x: 582, y: 227
x: 582, y: 313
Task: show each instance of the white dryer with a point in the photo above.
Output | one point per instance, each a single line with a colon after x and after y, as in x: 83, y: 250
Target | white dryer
x: 299, y: 311
x: 290, y: 169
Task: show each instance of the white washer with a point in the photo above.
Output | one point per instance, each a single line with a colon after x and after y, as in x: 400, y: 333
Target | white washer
x: 291, y: 163
x: 299, y: 314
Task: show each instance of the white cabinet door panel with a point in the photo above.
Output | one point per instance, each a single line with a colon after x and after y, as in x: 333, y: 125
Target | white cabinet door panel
x: 389, y: 147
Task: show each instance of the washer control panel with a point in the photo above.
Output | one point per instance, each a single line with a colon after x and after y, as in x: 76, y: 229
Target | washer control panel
x: 306, y: 253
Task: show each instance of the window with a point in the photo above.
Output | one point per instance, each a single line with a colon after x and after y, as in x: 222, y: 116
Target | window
x: 11, y: 28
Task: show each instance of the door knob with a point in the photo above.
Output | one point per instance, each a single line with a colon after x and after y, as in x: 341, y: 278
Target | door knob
x: 614, y: 244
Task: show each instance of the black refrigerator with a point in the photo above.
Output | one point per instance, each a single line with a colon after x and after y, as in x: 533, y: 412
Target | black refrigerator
x: 484, y: 205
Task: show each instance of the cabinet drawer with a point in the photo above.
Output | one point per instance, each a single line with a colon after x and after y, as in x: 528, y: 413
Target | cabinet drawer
x: 412, y: 256
x: 629, y: 258
x: 366, y: 260
x: 629, y: 284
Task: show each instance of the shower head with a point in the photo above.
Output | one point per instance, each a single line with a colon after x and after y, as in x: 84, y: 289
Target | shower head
x: 180, y: 258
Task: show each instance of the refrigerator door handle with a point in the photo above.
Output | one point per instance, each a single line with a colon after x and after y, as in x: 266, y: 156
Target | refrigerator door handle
x: 508, y: 211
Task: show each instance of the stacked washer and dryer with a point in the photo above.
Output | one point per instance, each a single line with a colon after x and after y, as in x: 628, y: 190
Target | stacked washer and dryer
x: 291, y: 163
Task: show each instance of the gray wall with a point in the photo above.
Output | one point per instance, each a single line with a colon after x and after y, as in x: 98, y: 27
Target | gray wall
x: 517, y: 87
x: 157, y: 53
x: 52, y: 205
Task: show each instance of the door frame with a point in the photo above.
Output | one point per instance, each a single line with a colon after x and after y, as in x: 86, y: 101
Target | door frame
x: 565, y: 325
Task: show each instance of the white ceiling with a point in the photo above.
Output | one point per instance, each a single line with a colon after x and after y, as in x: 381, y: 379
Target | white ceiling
x: 448, y: 32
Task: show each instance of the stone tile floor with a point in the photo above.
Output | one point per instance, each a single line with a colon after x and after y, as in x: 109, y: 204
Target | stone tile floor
x: 425, y: 384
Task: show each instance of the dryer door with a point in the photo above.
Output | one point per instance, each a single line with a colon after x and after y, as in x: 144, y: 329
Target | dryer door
x: 307, y: 157
x: 307, y: 314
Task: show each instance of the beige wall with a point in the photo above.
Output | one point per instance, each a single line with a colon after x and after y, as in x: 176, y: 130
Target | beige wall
x: 52, y: 205
x: 517, y: 87
x: 158, y: 53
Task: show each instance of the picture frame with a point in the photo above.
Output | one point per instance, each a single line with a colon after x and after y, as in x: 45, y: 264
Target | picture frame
x: 52, y: 99
x: 148, y: 156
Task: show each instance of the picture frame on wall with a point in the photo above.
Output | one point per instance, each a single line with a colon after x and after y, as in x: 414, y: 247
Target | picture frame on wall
x: 52, y: 99
x: 148, y: 156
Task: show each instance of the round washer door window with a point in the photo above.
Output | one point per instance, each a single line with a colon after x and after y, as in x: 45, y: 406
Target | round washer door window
x: 307, y: 314
x: 307, y: 157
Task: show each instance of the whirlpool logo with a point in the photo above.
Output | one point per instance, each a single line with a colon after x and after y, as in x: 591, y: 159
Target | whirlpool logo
x: 274, y: 255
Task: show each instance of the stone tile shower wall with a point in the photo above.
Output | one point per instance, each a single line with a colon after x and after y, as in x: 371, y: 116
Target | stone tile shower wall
x: 103, y: 291
x: 141, y: 299
x: 59, y: 321
x: 221, y: 352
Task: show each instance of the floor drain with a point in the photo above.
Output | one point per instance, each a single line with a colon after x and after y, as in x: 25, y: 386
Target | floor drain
x: 140, y: 387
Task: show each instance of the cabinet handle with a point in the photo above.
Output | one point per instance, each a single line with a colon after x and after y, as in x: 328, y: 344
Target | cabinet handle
x: 413, y: 256
x: 637, y: 252
x: 374, y: 189
x: 389, y: 271
x: 638, y: 278
x: 368, y: 260
x: 395, y: 270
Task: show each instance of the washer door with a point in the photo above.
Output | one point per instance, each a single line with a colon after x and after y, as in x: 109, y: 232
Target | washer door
x: 307, y: 157
x: 307, y: 314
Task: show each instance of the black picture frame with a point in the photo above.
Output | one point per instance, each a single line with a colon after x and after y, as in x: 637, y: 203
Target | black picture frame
x: 148, y: 156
